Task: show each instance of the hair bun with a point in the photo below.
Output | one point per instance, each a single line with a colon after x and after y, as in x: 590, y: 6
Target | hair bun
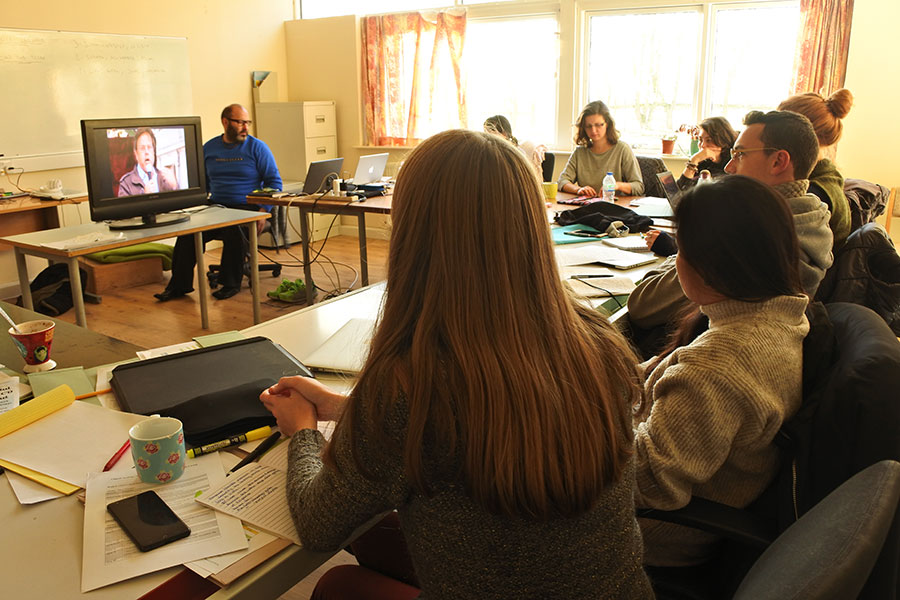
x: 839, y: 103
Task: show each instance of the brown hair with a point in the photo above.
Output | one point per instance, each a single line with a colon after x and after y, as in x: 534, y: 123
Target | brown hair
x: 502, y: 378
x: 720, y: 130
x: 791, y: 132
x: 500, y: 125
x: 595, y: 108
x: 824, y: 114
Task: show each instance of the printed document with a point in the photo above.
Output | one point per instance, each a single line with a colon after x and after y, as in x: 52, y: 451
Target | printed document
x: 111, y: 556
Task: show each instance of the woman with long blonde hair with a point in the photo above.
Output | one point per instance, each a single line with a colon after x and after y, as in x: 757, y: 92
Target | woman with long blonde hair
x: 493, y: 412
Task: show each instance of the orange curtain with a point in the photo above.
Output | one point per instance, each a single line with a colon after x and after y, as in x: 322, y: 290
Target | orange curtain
x: 411, y: 78
x: 820, y: 62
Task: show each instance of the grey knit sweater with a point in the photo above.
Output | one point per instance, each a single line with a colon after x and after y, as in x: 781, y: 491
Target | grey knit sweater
x: 717, y: 405
x: 458, y: 549
x: 658, y: 296
x: 586, y: 168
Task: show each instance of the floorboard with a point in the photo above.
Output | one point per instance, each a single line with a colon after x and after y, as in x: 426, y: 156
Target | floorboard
x: 134, y: 315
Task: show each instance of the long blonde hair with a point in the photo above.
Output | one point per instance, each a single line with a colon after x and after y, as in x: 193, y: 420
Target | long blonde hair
x: 522, y: 393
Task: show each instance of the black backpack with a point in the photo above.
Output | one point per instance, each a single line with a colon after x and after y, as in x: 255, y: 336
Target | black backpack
x: 51, y: 291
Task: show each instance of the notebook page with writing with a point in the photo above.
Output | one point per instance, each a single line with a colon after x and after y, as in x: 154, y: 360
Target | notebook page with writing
x: 255, y: 494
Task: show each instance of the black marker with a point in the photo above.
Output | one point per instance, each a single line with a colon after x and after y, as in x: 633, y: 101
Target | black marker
x: 263, y: 447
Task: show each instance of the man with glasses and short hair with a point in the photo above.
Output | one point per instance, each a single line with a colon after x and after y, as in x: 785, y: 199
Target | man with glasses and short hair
x: 236, y: 164
x: 778, y: 148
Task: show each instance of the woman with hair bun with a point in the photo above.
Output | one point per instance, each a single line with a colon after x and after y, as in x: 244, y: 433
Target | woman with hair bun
x: 825, y: 181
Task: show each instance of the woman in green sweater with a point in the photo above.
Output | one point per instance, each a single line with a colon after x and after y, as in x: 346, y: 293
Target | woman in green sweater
x: 493, y: 412
x: 712, y: 407
x: 825, y: 181
x: 600, y: 152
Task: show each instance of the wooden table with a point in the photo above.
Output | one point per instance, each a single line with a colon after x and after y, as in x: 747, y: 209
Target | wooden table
x: 330, y: 205
x: 27, y: 213
x: 213, y: 217
x: 73, y: 346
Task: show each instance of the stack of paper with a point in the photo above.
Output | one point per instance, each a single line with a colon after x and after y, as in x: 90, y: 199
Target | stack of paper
x: 56, y: 441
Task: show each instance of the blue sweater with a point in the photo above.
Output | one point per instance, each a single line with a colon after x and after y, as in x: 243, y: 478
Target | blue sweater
x: 232, y: 172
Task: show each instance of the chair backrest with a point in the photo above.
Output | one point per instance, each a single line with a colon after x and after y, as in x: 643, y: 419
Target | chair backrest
x: 830, y: 551
x: 547, y: 166
x: 650, y: 166
x: 848, y: 421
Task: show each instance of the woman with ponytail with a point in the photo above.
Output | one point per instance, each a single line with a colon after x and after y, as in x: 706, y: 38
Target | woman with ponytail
x: 825, y: 181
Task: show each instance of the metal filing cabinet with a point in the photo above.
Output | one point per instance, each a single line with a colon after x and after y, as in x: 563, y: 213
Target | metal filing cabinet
x: 297, y: 133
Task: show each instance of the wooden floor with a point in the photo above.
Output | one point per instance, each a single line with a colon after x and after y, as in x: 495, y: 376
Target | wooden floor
x: 134, y: 315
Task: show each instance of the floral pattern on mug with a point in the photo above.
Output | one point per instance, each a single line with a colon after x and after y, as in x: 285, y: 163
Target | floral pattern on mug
x: 180, y: 438
x: 174, y: 458
x: 151, y: 448
x: 142, y: 463
x: 164, y: 476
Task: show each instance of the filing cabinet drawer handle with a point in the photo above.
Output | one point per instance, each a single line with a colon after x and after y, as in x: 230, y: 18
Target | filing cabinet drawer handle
x: 320, y: 118
x: 320, y: 150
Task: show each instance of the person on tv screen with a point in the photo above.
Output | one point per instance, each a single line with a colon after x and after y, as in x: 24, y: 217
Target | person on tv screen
x: 145, y: 177
x: 236, y: 164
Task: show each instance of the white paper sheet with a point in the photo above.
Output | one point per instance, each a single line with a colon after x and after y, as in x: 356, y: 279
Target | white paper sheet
x: 9, y: 392
x: 167, y: 350
x: 207, y: 566
x: 598, y: 253
x: 255, y: 494
x: 110, y: 556
x: 70, y: 442
x: 104, y: 374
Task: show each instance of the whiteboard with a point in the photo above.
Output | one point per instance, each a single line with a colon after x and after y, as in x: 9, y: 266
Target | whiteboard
x: 53, y: 79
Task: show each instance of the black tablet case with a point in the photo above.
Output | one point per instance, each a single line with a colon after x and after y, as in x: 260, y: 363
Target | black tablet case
x: 213, y: 391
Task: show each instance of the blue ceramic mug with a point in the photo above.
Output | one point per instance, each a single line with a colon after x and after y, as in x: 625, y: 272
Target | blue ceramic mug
x: 157, y: 446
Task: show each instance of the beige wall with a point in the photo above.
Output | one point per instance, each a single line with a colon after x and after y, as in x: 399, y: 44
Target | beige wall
x: 867, y: 149
x: 226, y: 40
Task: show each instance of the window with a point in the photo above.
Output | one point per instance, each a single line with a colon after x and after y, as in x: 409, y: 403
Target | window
x: 650, y: 68
x: 511, y: 69
x: 317, y: 9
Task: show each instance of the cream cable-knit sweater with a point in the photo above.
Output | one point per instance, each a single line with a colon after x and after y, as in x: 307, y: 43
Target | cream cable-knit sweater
x: 717, y: 405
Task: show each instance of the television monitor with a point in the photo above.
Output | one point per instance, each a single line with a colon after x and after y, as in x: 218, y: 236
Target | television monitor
x: 140, y: 169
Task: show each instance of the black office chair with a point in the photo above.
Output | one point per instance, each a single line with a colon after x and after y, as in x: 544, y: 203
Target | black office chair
x: 849, y: 420
x: 650, y: 166
x: 276, y: 226
x: 547, y: 166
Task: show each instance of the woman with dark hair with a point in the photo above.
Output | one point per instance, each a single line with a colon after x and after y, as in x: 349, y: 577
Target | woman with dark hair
x: 493, y: 411
x: 712, y: 408
x: 537, y: 154
x: 825, y: 181
x: 716, y: 139
x: 599, y: 151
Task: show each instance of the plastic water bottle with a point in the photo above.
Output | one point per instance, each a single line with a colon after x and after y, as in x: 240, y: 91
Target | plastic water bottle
x: 609, y: 187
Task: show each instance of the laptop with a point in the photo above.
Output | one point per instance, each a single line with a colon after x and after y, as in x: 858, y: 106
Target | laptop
x: 673, y: 194
x: 370, y: 169
x: 320, y: 175
x: 346, y: 350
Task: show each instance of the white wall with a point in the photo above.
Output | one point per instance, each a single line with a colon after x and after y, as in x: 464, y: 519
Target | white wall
x: 227, y: 39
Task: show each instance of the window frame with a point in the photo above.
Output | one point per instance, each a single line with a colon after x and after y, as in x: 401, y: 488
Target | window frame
x: 708, y: 10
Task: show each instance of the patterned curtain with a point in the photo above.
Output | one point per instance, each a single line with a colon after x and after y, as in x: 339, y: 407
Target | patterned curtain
x: 820, y: 62
x: 411, y: 77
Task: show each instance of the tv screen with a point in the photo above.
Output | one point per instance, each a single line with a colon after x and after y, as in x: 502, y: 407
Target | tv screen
x: 139, y: 169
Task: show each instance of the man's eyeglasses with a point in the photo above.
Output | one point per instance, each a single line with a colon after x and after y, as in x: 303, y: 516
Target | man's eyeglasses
x: 739, y: 154
x: 240, y: 122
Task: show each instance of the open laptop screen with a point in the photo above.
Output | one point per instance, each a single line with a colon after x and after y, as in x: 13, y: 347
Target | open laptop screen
x: 320, y: 175
x: 670, y: 187
x: 370, y: 168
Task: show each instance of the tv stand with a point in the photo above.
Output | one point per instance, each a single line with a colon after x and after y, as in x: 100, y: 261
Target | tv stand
x: 148, y: 221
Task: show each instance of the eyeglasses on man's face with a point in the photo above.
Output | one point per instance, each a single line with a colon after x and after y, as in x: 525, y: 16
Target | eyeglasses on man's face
x: 738, y: 155
x: 240, y: 122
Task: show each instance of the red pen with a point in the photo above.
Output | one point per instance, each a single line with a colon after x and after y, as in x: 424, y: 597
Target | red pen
x: 115, y: 457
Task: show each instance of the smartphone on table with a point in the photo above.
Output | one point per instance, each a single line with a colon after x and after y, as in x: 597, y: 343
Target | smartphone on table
x: 148, y: 520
